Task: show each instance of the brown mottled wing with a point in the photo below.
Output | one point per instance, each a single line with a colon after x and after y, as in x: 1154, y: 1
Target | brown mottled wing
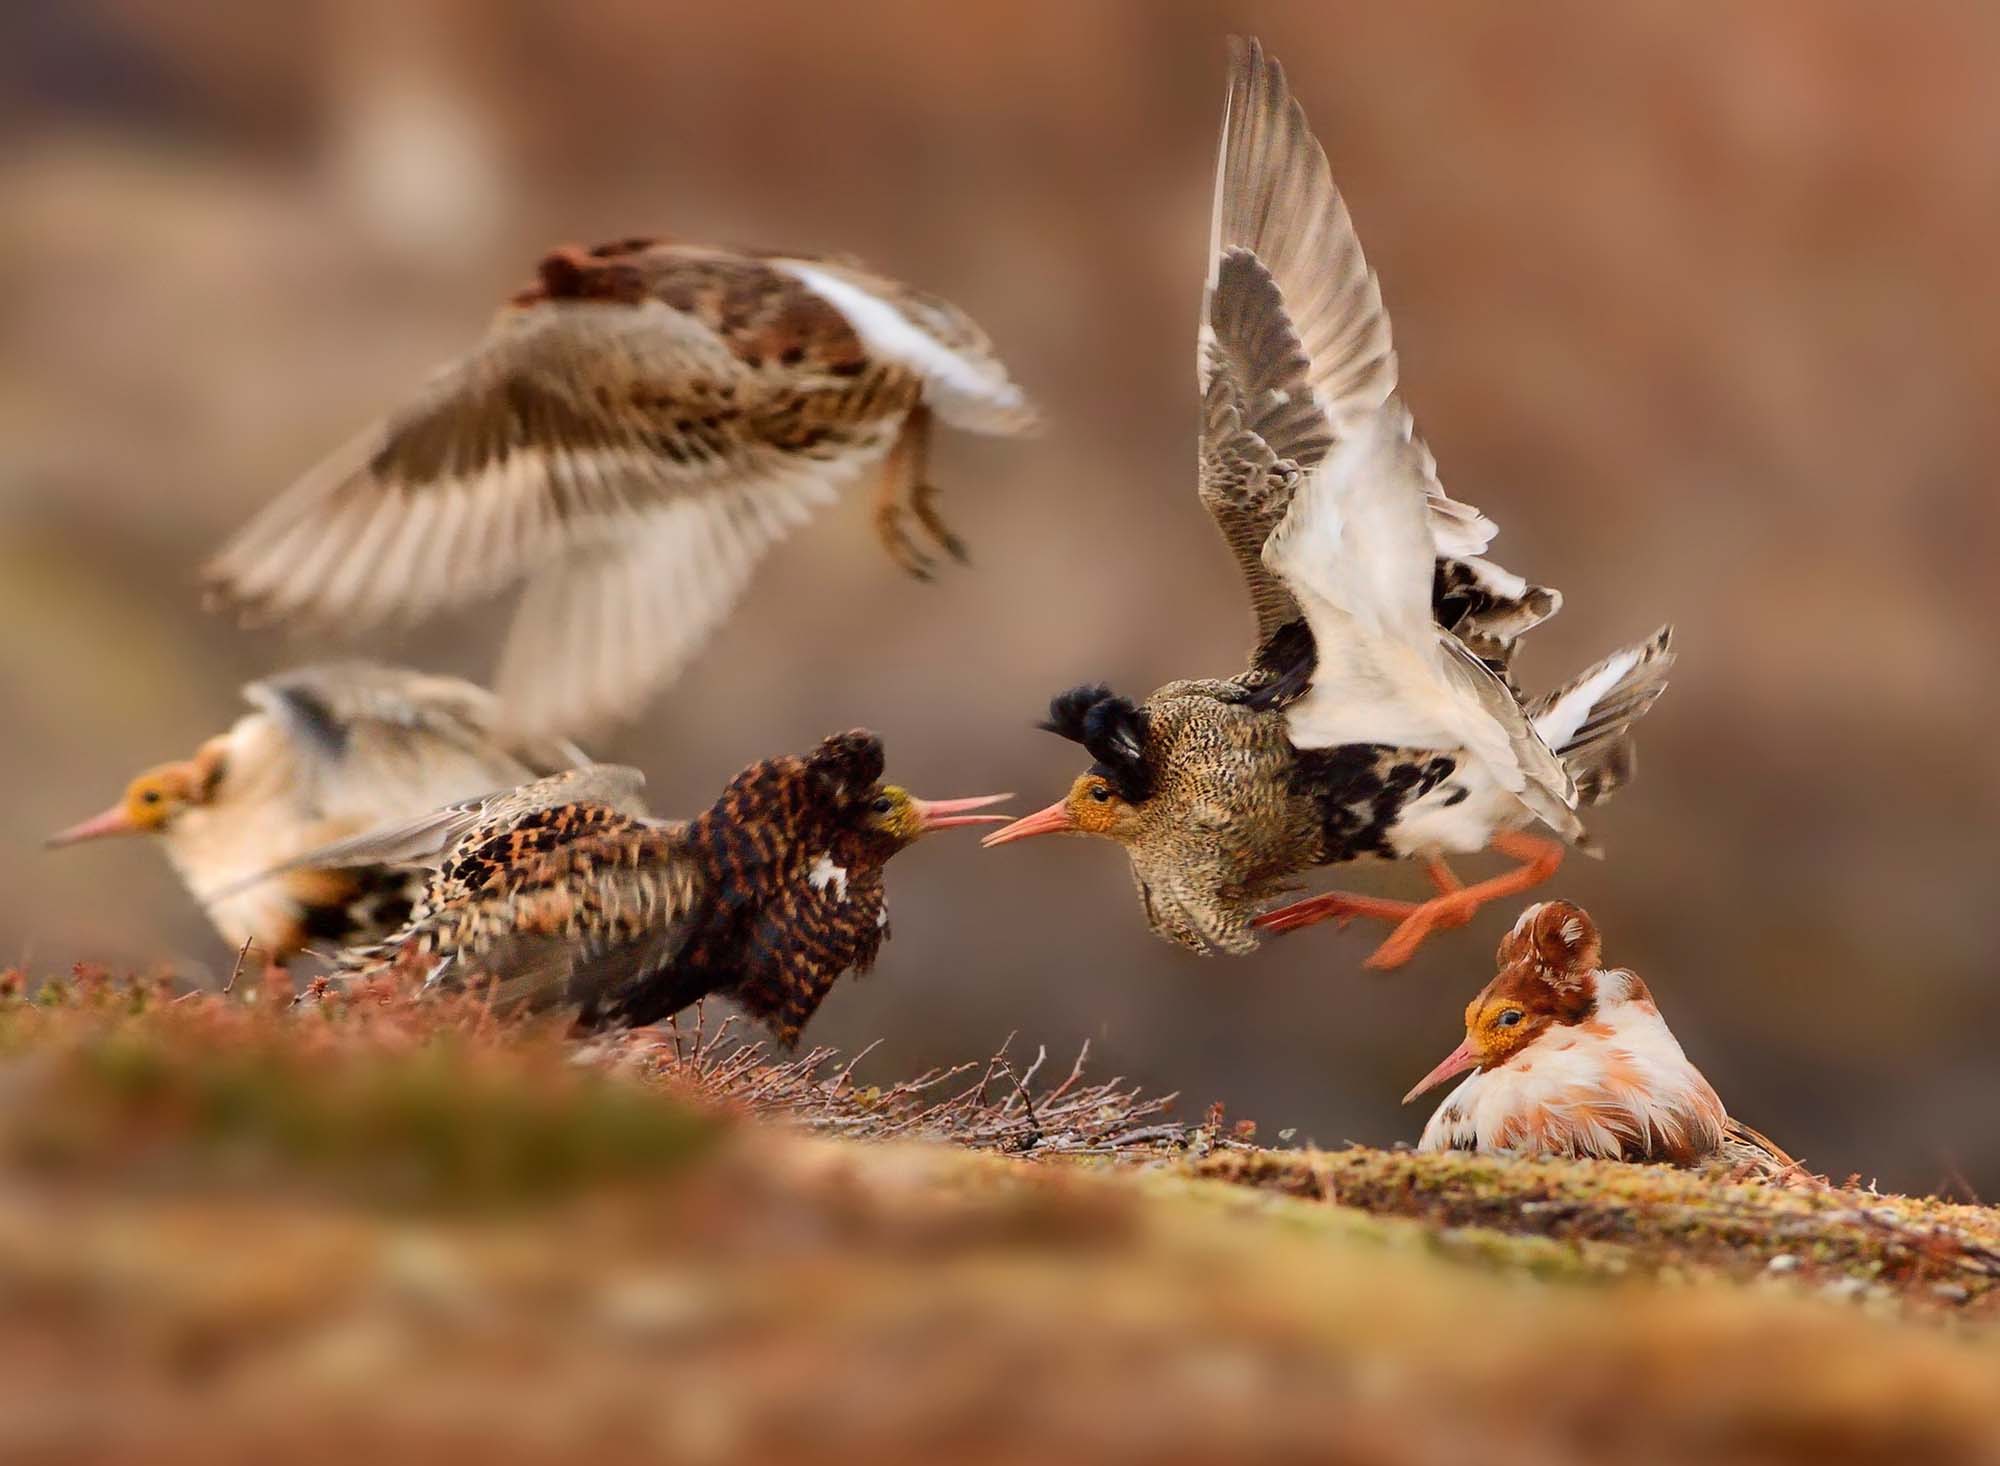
x: 375, y: 744
x: 804, y: 939
x: 1294, y: 339
x: 584, y: 923
x: 634, y: 436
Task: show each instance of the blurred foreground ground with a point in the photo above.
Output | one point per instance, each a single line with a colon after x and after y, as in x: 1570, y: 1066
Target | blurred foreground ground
x: 228, y: 1233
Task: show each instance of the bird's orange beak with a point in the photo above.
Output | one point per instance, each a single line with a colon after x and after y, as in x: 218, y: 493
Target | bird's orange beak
x: 949, y: 814
x: 1055, y: 820
x: 114, y: 821
x: 1457, y: 1061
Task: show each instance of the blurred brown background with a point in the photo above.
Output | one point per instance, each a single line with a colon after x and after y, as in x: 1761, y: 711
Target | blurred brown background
x: 1697, y: 302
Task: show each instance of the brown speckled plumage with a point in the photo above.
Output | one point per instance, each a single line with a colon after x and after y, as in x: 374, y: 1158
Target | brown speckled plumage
x: 636, y: 430
x: 767, y: 897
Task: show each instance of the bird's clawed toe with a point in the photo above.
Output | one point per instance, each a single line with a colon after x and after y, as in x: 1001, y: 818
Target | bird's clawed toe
x: 1339, y: 907
x: 889, y: 519
x: 924, y: 504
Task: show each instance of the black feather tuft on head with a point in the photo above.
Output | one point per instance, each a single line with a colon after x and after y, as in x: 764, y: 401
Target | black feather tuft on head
x: 850, y: 763
x: 1112, y: 730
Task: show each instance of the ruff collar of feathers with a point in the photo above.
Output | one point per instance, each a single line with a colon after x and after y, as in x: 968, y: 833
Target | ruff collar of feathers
x: 1112, y: 731
x: 850, y: 763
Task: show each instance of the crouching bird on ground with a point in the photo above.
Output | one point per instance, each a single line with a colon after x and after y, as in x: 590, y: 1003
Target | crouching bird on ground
x: 1573, y: 1059
x: 565, y: 895
x: 1378, y: 717
x: 326, y: 752
x: 634, y: 433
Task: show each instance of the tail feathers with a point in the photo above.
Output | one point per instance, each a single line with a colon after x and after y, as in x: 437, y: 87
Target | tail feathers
x: 1752, y: 1155
x: 1488, y: 608
x: 1589, y: 722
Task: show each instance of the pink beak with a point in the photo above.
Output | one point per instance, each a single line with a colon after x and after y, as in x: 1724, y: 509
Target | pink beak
x: 114, y: 821
x: 1457, y: 1061
x: 949, y: 814
x: 1054, y: 820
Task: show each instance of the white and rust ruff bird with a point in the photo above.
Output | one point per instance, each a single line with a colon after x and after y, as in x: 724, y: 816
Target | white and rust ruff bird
x: 1378, y: 717
x: 633, y: 434
x: 325, y: 752
x: 1573, y: 1059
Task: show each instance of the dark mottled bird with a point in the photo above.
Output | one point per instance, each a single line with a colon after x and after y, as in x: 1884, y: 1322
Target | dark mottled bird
x: 1378, y: 717
x: 1573, y: 1059
x: 326, y: 752
x: 566, y: 895
x: 633, y: 434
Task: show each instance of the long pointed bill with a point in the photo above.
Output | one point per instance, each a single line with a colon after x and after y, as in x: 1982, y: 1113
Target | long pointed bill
x: 114, y: 821
x: 1457, y: 1061
x: 1054, y: 820
x: 949, y: 814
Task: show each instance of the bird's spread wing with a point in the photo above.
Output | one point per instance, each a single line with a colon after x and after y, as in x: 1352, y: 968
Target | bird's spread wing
x: 428, y: 840
x: 1355, y: 551
x: 584, y: 925
x: 581, y: 427
x: 598, y: 632
x: 1295, y: 343
x: 964, y: 379
x: 371, y: 743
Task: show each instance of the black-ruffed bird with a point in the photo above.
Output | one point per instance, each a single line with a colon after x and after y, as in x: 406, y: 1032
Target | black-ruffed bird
x: 564, y: 894
x: 1378, y: 717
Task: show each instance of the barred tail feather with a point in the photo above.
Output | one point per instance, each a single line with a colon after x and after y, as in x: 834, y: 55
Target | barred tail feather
x: 1589, y: 722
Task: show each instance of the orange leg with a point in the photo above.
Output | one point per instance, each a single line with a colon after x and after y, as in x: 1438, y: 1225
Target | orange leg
x: 1455, y: 904
x: 1333, y: 906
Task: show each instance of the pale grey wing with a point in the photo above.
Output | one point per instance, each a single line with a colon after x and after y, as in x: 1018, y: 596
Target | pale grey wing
x: 566, y: 426
x: 1295, y: 343
x: 599, y: 633
x: 1261, y: 428
x: 424, y: 841
x: 1544, y: 783
x: 375, y: 743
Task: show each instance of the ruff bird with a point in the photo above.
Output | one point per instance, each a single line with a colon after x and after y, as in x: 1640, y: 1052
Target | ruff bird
x: 565, y: 895
x: 1378, y: 716
x: 633, y: 434
x: 1573, y: 1059
x: 325, y: 752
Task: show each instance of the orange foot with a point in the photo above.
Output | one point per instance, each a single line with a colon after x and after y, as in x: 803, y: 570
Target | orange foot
x: 1453, y: 906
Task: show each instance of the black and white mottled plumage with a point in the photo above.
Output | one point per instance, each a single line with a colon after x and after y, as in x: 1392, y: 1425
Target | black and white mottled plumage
x: 1378, y: 716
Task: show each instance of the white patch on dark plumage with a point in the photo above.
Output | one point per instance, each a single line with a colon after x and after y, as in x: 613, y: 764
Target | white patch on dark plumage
x: 881, y: 917
x: 825, y: 873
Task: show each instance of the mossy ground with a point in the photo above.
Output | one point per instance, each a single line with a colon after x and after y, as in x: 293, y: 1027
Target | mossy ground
x: 228, y: 1228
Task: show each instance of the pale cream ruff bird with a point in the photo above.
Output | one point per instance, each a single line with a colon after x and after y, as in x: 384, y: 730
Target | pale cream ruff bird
x: 631, y: 437
x: 1573, y: 1059
x: 325, y: 752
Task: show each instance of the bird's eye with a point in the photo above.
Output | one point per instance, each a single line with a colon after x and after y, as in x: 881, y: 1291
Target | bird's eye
x: 151, y: 796
x: 1101, y: 794
x: 1511, y: 1017
x: 882, y: 805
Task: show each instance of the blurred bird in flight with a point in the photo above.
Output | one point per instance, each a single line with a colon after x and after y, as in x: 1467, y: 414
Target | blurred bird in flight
x: 634, y: 433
